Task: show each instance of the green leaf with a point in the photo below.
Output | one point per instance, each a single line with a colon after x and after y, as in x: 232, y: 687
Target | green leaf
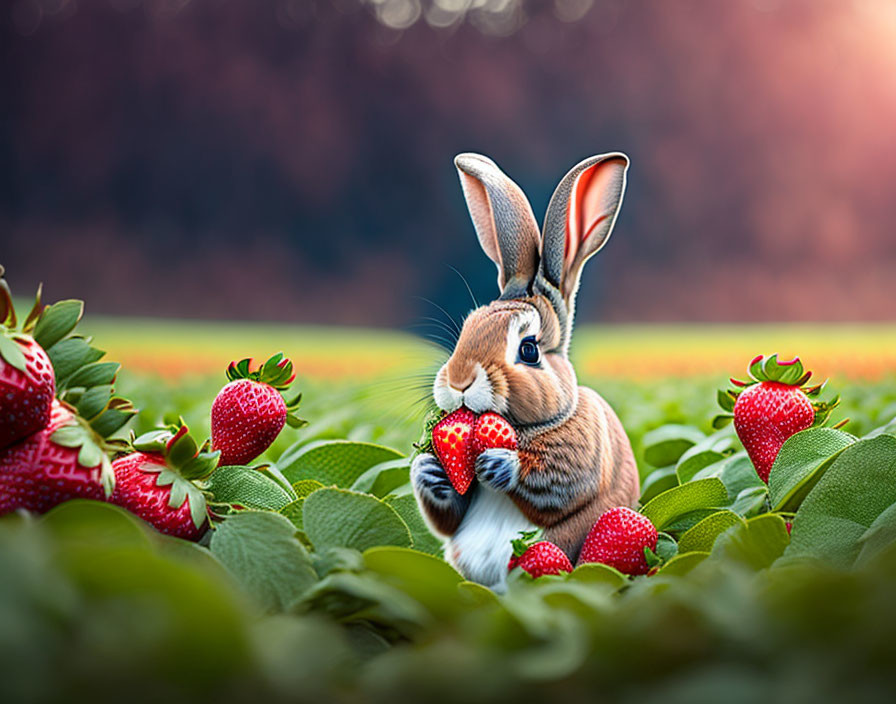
x: 756, y: 543
x: 596, y: 573
x: 688, y: 520
x: 111, y: 420
x: 261, y: 550
x: 90, y: 455
x: 246, y: 487
x: 658, y: 481
x: 736, y: 472
x: 69, y: 436
x: 666, y: 444
x: 70, y: 354
x: 722, y: 420
x: 305, y: 487
x: 857, y: 488
x: 12, y: 352
x: 782, y: 373
x: 383, y: 478
x: 701, y: 537
x: 429, y: 580
x: 94, y: 401
x: 750, y: 501
x: 678, y: 501
x: 57, y: 321
x: 801, y: 462
x: 96, y: 524
x: 880, y: 536
x: 337, y: 462
x: 293, y: 511
x: 339, y: 517
x: 94, y: 374
x: 725, y: 400
x: 706, y: 452
x: 424, y: 540
x: 683, y: 563
x: 348, y: 597
x: 666, y: 547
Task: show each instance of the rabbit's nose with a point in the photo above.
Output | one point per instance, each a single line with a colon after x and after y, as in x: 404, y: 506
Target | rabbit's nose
x: 461, y: 378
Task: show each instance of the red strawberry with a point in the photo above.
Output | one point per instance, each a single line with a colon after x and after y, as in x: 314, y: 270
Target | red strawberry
x: 452, y: 442
x: 538, y: 559
x: 249, y: 413
x: 27, y: 387
x: 772, y: 407
x: 618, y: 539
x: 492, y: 430
x: 27, y: 381
x: 55, y: 464
x: 155, y: 484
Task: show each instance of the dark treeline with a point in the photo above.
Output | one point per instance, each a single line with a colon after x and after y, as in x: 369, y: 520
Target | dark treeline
x: 245, y: 160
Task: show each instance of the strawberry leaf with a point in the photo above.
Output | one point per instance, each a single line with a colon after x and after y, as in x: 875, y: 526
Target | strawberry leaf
x: 34, y: 313
x: 726, y: 400
x: 12, y: 352
x: 57, y: 321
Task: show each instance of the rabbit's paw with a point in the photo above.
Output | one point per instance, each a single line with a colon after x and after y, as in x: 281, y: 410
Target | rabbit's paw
x: 498, y: 468
x: 430, y: 481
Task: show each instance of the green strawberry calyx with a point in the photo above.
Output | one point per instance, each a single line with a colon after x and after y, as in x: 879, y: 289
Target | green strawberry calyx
x: 93, y: 449
x: 424, y: 444
x: 11, y: 334
x: 276, y: 372
x: 525, y: 540
x: 186, y: 462
x: 790, y: 373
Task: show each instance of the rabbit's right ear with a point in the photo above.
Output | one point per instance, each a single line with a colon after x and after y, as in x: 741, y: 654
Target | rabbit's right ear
x: 503, y: 220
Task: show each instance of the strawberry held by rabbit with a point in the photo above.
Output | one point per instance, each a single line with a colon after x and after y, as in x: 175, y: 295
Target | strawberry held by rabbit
x: 572, y: 459
x: 460, y: 437
x: 771, y: 407
x: 249, y: 412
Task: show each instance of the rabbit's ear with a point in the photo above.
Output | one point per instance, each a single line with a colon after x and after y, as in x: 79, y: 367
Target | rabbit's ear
x: 580, y: 218
x: 503, y: 220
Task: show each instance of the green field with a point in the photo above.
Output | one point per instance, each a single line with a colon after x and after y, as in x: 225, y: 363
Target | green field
x: 344, y: 597
x: 368, y: 384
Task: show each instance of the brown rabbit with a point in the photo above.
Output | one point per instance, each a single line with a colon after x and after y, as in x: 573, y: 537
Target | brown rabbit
x: 574, y: 459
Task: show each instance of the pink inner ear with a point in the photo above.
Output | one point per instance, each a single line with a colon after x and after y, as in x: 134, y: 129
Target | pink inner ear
x: 588, y: 207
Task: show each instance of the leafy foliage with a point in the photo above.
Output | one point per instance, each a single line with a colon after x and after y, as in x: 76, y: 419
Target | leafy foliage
x: 321, y: 581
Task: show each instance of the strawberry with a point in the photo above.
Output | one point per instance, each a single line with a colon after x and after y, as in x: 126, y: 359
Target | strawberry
x: 249, y: 412
x: 155, y: 482
x: 539, y: 558
x: 452, y: 441
x: 27, y: 382
x: 771, y: 407
x: 492, y: 430
x: 618, y: 539
x: 60, y: 462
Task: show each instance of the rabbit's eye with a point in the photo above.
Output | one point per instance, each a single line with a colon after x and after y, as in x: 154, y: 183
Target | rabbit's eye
x: 529, y: 353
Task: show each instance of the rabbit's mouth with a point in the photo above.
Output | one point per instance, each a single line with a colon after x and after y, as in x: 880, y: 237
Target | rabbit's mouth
x: 479, y: 395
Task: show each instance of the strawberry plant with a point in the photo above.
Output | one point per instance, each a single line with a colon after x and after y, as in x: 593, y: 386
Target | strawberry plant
x: 311, y: 574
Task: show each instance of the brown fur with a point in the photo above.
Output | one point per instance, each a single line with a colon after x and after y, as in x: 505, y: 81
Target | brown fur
x: 585, y: 451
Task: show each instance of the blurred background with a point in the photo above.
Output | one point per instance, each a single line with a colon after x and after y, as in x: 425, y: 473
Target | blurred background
x: 291, y: 160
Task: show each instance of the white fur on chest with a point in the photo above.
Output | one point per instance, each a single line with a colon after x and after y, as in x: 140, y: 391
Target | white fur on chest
x: 480, y: 549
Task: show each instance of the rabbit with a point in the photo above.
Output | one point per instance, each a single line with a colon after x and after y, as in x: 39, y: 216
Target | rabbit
x: 573, y: 460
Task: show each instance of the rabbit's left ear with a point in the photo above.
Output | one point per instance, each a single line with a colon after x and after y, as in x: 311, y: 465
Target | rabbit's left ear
x: 503, y: 220
x: 580, y: 219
